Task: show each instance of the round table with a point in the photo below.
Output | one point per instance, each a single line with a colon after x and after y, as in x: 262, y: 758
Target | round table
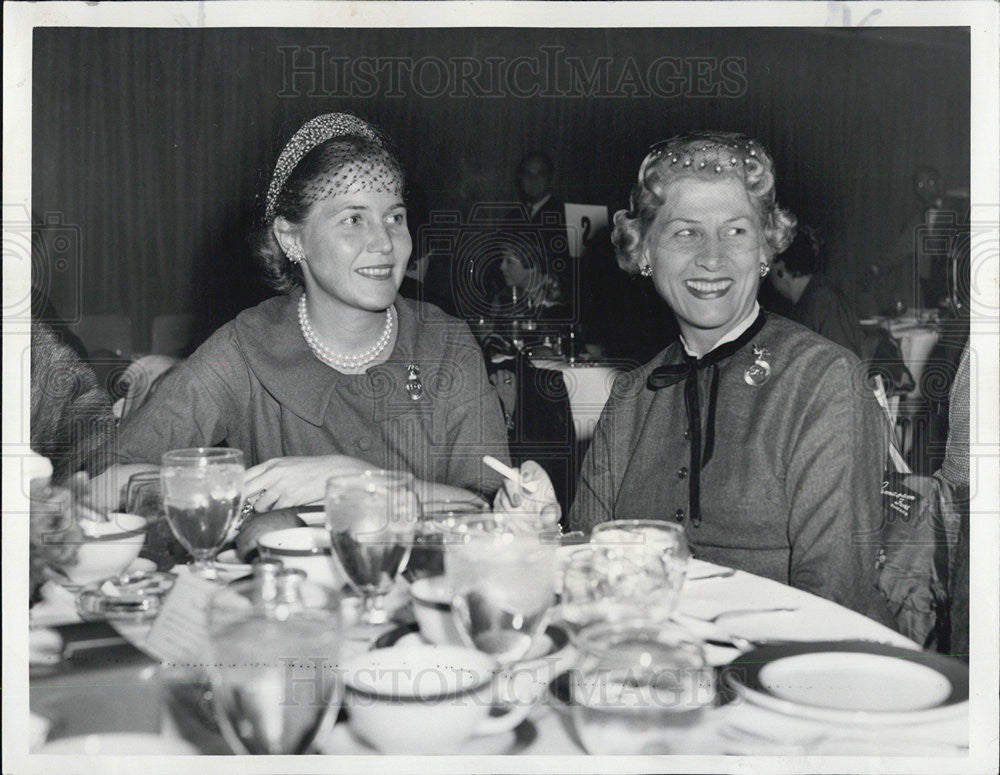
x: 588, y: 384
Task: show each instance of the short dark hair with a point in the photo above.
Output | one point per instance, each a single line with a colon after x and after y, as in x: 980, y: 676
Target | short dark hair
x: 541, y: 156
x: 803, y: 256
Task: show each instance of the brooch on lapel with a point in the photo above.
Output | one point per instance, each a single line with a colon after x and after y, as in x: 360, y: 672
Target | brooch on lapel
x: 414, y: 387
x: 760, y: 371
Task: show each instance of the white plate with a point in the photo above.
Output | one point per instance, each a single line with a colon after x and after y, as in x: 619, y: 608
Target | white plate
x: 123, y: 744
x: 141, y: 564
x: 852, y: 681
x: 343, y: 742
x: 229, y: 567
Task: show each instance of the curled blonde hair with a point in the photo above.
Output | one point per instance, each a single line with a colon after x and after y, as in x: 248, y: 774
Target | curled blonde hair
x: 708, y: 155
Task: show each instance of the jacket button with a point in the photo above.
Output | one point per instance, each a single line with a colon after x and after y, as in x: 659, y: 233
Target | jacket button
x: 679, y: 515
x: 682, y: 472
x: 687, y: 435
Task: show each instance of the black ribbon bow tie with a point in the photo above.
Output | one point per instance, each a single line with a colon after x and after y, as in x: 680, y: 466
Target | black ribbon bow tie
x: 665, y: 376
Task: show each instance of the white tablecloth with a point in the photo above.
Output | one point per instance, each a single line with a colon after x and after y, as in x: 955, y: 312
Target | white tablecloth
x: 917, y: 335
x: 760, y: 731
x: 589, y: 385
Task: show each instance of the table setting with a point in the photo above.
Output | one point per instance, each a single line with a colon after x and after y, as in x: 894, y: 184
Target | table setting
x: 917, y: 331
x: 381, y: 624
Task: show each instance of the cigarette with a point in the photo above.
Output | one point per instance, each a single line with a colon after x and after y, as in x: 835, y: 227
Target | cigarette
x: 509, y: 473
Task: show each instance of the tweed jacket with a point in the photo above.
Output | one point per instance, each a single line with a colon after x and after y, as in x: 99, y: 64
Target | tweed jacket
x: 792, y: 490
x: 71, y: 419
x: 256, y: 386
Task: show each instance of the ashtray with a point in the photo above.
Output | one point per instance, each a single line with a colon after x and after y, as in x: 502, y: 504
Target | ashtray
x: 129, y: 597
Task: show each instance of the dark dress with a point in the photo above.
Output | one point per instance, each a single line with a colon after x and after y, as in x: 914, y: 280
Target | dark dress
x: 825, y: 309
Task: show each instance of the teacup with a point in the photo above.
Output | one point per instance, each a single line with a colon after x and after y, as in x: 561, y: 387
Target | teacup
x: 107, y: 548
x: 424, y: 699
x: 306, y: 548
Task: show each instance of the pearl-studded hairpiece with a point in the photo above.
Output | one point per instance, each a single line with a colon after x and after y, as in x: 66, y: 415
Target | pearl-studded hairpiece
x: 369, y: 167
x: 687, y: 153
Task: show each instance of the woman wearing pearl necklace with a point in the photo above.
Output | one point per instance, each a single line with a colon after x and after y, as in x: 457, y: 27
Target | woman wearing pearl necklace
x: 337, y: 373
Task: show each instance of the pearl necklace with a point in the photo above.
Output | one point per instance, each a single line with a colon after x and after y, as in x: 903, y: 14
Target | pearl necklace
x: 340, y: 361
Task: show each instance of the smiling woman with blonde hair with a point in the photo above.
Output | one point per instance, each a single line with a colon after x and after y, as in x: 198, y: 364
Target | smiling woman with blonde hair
x: 754, y: 433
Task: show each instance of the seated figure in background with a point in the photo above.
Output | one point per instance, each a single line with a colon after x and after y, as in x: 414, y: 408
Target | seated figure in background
x: 71, y: 419
x: 71, y: 428
x: 815, y: 301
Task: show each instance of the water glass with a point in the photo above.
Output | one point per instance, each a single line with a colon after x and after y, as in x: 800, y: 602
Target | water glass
x: 503, y: 586
x: 437, y: 519
x: 603, y: 583
x: 372, y: 518
x: 202, y: 493
x: 640, y: 687
x: 274, y: 666
x: 627, y: 533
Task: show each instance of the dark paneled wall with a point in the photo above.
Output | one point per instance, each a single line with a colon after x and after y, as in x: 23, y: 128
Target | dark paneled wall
x: 154, y: 144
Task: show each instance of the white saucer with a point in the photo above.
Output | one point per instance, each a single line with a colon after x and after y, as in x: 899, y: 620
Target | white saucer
x: 852, y: 682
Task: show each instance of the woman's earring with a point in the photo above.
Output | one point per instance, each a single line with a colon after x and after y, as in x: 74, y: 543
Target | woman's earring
x: 295, y: 253
x: 646, y: 271
x: 764, y: 269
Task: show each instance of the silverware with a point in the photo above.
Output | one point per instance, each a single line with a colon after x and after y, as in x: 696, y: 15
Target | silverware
x: 744, y: 612
x: 722, y: 574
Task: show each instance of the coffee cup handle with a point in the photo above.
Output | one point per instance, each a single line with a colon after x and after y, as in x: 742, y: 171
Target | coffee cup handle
x: 495, y: 725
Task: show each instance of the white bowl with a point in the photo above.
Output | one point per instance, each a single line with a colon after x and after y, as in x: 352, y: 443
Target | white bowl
x: 107, y: 548
x: 307, y: 548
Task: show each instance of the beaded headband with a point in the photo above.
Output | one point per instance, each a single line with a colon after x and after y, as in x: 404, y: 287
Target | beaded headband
x: 720, y: 153
x: 370, y: 167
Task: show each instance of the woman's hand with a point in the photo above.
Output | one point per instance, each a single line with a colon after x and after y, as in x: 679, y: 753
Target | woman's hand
x: 283, y: 482
x: 540, y: 506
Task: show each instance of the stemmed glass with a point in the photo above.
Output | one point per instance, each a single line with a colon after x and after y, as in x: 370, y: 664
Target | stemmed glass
x: 502, y: 585
x: 274, y: 662
x: 372, y: 517
x: 202, y: 493
x: 438, y: 518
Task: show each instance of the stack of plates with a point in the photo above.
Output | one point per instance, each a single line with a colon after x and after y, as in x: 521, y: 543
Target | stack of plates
x: 851, y: 690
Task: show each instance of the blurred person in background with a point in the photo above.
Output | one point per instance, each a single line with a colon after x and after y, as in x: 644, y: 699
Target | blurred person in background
x: 814, y: 299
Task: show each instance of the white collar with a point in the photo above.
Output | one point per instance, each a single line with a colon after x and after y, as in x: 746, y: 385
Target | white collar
x: 539, y: 204
x: 731, y: 335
